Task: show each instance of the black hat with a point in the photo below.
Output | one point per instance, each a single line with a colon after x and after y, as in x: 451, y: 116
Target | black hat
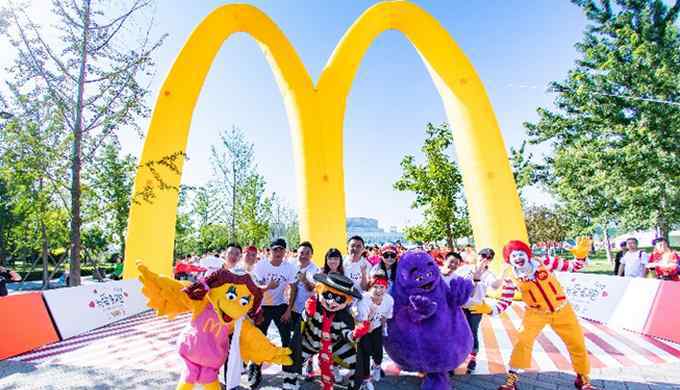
x: 279, y: 242
x: 339, y: 282
x: 487, y: 253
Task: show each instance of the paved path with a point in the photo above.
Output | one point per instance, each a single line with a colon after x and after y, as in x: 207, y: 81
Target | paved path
x: 24, y: 376
x: 139, y: 353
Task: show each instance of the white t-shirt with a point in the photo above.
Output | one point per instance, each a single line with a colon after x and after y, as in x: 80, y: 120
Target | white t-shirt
x: 211, y: 264
x: 376, y: 313
x: 265, y: 272
x: 634, y: 263
x: 353, y: 269
x: 302, y: 293
x: 485, y: 281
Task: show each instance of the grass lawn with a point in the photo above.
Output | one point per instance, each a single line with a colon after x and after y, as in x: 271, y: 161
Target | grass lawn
x: 597, y: 264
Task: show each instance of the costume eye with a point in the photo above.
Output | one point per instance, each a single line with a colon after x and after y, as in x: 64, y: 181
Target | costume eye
x: 429, y: 274
x: 419, y: 278
x: 231, y: 293
x: 244, y: 300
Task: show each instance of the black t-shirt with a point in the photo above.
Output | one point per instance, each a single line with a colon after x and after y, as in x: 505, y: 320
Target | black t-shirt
x: 5, y: 277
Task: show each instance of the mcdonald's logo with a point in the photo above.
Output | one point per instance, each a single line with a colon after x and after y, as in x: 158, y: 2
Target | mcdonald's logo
x: 316, y: 114
x: 212, y: 326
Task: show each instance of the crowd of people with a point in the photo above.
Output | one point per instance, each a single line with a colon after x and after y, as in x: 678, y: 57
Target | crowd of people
x: 633, y: 262
x: 286, y: 277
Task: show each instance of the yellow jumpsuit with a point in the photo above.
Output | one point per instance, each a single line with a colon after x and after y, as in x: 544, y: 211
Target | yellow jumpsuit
x: 547, y: 305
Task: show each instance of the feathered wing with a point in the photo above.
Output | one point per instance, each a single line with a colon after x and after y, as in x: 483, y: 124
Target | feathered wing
x: 256, y: 347
x: 165, y: 294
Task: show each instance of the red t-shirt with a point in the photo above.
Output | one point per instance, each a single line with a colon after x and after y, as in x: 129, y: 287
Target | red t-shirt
x: 669, y: 270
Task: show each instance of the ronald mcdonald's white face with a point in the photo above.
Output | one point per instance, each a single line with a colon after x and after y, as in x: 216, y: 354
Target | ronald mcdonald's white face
x: 519, y: 260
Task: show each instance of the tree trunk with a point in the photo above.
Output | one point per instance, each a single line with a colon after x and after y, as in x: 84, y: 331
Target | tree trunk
x: 449, y: 236
x: 45, y: 256
x: 662, y: 228
x: 121, y: 236
x: 74, y: 276
x: 2, y: 244
x: 608, y: 248
x: 233, y: 200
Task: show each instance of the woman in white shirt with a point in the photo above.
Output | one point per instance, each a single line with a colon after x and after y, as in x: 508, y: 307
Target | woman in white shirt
x: 483, y: 280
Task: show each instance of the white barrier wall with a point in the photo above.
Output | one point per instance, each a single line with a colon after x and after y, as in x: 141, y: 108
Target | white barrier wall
x: 618, y: 302
x: 595, y: 297
x: 76, y: 310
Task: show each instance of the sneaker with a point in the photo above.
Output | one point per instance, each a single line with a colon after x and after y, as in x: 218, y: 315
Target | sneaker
x: 367, y: 385
x: 583, y: 383
x: 510, y: 382
x: 290, y: 381
x: 254, y: 376
x: 309, y: 369
x: 338, y: 376
x: 376, y: 373
x: 471, y: 366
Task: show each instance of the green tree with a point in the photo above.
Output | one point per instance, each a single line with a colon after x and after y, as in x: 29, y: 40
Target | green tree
x: 524, y: 171
x: 616, y: 126
x: 256, y: 210
x: 237, y: 192
x: 545, y: 224
x: 110, y: 180
x: 33, y: 172
x: 438, y: 186
x: 284, y: 222
x: 91, y: 75
x: 186, y: 241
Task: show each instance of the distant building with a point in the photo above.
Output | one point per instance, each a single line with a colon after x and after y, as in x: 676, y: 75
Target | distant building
x: 368, y: 229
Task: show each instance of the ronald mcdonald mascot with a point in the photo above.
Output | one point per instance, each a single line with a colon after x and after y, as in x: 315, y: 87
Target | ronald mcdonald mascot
x: 546, y: 304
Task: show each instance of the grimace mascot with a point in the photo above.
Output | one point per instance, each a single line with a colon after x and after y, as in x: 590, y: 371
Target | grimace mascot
x: 428, y: 332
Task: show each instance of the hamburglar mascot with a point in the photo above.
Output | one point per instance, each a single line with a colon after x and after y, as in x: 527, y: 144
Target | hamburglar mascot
x: 546, y: 304
x: 329, y: 329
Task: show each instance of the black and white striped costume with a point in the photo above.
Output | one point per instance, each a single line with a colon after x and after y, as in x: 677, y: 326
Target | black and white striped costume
x: 344, y: 347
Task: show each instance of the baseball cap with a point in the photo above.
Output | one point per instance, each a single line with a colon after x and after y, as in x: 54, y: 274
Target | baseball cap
x: 388, y: 248
x: 278, y: 243
x: 251, y: 249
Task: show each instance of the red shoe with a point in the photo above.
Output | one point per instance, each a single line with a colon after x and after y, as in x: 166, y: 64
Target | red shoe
x: 510, y: 382
x: 582, y: 382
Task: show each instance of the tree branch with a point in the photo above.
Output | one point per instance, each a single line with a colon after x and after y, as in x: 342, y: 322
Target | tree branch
x: 60, y: 65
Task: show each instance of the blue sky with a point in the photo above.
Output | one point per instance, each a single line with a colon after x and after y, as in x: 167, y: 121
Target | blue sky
x: 517, y: 47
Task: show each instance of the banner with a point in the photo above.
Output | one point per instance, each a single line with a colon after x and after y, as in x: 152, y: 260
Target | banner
x: 26, y: 324
x: 595, y: 297
x: 76, y: 310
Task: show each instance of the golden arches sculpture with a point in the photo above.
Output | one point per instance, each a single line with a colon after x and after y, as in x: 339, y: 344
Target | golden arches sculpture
x: 316, y: 116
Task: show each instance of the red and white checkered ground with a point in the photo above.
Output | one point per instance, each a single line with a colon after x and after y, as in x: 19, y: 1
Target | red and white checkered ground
x: 148, y: 342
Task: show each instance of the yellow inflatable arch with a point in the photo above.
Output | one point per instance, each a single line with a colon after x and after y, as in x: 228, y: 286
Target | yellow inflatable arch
x: 316, y: 116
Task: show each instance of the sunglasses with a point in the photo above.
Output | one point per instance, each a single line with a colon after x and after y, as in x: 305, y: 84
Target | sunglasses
x: 332, y: 297
x: 389, y: 255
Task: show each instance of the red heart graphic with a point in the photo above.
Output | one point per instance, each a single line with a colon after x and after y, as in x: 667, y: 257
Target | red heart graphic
x: 95, y: 291
x: 605, y: 294
x: 125, y: 294
x: 91, y: 304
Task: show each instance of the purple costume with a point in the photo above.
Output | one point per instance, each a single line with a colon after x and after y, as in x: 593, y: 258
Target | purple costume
x: 429, y: 332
